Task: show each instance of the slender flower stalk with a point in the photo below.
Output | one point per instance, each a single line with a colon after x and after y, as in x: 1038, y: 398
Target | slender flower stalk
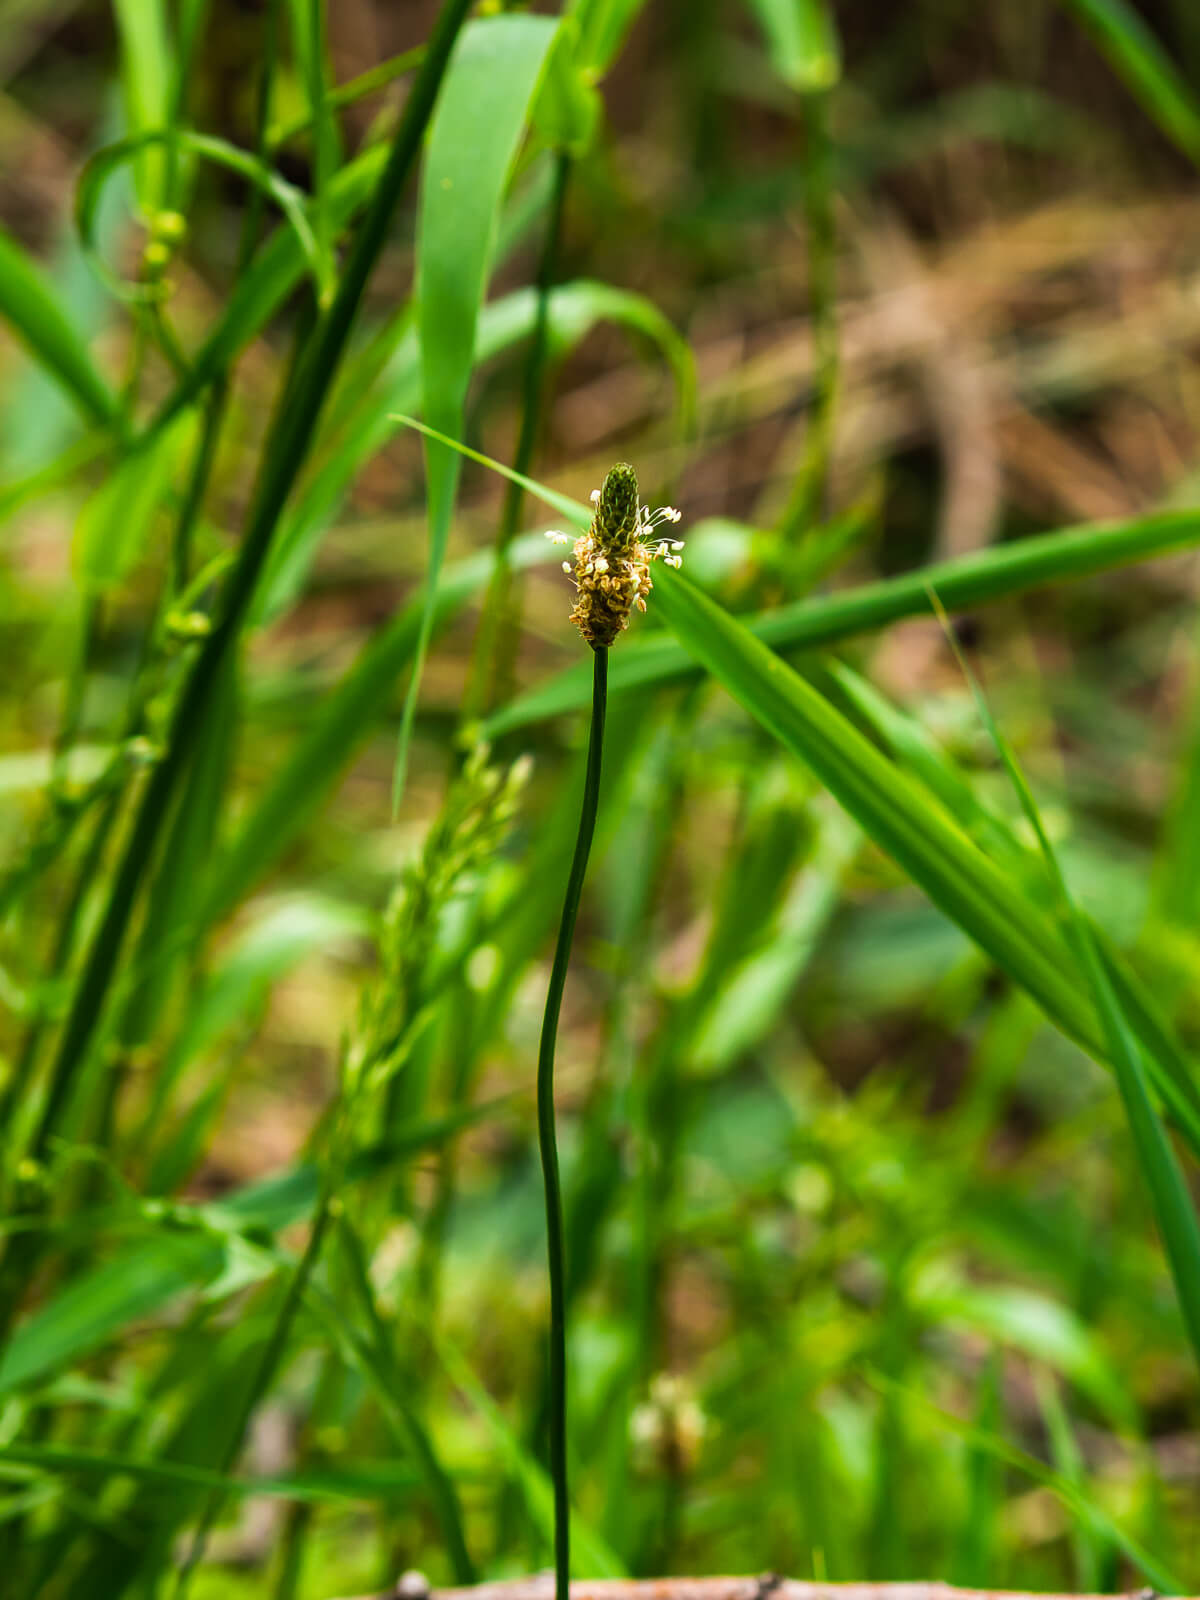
x: 546, y: 1139
x: 611, y: 573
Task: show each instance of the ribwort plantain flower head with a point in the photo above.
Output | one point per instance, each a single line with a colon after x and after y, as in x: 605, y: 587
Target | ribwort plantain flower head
x: 611, y: 565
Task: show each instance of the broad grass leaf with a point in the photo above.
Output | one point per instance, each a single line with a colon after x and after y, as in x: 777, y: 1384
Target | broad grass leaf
x: 931, y: 848
x: 567, y: 109
x: 34, y: 312
x: 802, y: 41
x: 472, y: 141
x: 969, y: 581
x: 146, y: 89
x: 604, y: 25
x: 1041, y: 1328
x: 1173, y: 1204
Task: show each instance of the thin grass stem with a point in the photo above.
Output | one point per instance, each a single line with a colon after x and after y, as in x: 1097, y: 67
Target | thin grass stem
x: 272, y: 1355
x: 347, y: 94
x: 546, y: 1139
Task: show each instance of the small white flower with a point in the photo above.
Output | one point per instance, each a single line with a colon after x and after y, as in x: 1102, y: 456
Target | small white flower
x: 557, y: 538
x: 652, y: 519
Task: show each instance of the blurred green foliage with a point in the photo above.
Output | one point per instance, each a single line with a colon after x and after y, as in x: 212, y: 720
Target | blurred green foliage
x: 878, y: 1099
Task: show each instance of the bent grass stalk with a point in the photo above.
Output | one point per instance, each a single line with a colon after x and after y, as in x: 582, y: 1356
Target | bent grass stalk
x: 547, y: 1143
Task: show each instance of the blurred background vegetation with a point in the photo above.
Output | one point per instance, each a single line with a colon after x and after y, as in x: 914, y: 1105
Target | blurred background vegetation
x: 864, y: 1270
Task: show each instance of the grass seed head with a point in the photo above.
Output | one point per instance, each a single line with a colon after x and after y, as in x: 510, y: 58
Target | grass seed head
x: 611, y: 568
x: 616, y: 521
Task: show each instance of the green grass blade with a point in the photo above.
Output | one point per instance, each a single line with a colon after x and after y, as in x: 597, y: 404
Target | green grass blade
x: 574, y: 510
x: 179, y: 880
x: 934, y: 852
x: 146, y: 81
x: 1164, y: 1177
x: 309, y: 38
x: 1074, y: 1498
x: 373, y: 1347
x: 90, y: 1310
x: 1136, y: 56
x: 575, y: 308
x: 802, y: 41
x: 975, y: 1553
x: 480, y: 115
x: 914, y: 750
x: 970, y: 581
x: 1068, y: 1459
x: 361, y: 1481
x: 346, y: 94
x: 191, y: 1252
x: 33, y: 311
x: 603, y: 27
x: 589, y: 1551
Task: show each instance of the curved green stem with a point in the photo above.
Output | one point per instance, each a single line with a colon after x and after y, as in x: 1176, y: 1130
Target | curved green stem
x: 546, y: 1139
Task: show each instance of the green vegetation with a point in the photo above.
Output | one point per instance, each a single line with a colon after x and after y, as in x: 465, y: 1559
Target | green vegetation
x: 874, y: 1070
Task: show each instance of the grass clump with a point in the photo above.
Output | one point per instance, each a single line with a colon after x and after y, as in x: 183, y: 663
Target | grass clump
x: 862, y: 1137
